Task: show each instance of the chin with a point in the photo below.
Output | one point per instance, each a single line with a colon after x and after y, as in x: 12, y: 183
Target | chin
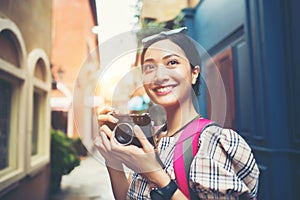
x: 167, y: 103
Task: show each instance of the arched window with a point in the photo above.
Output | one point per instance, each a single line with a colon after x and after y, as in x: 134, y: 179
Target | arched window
x: 38, y: 109
x: 13, y: 86
x: 25, y: 85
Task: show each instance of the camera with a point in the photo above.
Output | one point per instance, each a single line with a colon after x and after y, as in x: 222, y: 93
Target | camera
x: 124, y: 132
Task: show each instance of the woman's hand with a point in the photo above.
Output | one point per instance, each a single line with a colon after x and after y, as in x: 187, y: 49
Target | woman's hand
x: 118, y: 178
x: 141, y: 160
x: 102, y: 141
x: 104, y: 115
x: 150, y: 164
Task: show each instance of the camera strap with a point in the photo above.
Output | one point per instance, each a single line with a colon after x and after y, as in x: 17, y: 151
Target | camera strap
x: 185, y: 150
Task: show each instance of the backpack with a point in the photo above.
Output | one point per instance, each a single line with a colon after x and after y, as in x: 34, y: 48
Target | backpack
x: 185, y: 150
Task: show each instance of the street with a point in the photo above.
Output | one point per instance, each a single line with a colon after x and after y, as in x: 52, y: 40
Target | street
x: 88, y: 181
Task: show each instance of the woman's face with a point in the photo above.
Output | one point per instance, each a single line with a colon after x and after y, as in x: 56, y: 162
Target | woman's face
x: 167, y: 75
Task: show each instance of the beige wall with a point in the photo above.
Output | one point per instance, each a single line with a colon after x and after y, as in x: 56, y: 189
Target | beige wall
x: 33, y: 18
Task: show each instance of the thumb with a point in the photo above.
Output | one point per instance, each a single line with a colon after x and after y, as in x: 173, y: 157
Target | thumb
x: 146, y: 145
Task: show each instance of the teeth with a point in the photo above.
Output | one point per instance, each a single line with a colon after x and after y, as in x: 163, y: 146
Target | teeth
x: 163, y: 89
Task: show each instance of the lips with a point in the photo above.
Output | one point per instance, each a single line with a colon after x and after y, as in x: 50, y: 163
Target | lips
x: 163, y: 90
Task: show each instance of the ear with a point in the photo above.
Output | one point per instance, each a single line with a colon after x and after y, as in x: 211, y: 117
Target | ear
x: 195, y: 74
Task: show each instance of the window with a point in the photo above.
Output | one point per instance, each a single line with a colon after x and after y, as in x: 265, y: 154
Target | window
x: 38, y: 132
x: 38, y: 97
x: 25, y: 84
x: 12, y: 104
x: 35, y: 126
x: 39, y: 111
x: 8, y: 124
x: 5, y: 106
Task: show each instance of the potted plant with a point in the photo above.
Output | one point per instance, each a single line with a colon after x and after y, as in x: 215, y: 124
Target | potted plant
x: 64, y: 158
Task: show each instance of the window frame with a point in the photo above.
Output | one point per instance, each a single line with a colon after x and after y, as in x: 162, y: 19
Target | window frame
x: 43, y: 88
x: 18, y: 73
x: 13, y: 125
x: 18, y: 125
x: 21, y: 75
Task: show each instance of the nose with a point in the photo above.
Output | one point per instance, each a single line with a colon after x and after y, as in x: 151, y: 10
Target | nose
x: 161, y: 74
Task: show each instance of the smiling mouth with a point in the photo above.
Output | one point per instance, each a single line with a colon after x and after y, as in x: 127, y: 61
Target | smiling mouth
x: 163, y: 90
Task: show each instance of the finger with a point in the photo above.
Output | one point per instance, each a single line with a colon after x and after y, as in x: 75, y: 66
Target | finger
x: 106, y: 118
x: 104, y: 110
x: 99, y: 145
x: 107, y: 131
x: 105, y: 141
x: 110, y: 136
x: 98, y: 141
x: 104, y: 114
x: 111, y: 161
x: 110, y: 144
x: 146, y: 145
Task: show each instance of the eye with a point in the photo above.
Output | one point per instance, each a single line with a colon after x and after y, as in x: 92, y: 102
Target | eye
x: 172, y: 63
x: 148, y: 67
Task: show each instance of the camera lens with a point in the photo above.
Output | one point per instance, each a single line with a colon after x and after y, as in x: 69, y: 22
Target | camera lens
x: 123, y: 133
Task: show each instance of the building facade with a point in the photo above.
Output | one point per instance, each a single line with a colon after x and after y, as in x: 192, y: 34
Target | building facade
x: 25, y: 85
x: 42, y: 44
x: 75, y: 62
x: 254, y: 45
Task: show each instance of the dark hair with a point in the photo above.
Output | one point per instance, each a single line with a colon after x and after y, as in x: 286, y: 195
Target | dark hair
x: 188, y: 47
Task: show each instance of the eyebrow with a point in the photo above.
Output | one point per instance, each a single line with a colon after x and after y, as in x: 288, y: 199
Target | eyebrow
x: 164, y: 58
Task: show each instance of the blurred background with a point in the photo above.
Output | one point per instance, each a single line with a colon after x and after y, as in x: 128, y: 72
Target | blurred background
x: 53, y: 74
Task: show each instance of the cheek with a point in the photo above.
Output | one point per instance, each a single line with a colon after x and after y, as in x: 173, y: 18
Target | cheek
x: 183, y: 75
x: 147, y: 89
x: 146, y: 86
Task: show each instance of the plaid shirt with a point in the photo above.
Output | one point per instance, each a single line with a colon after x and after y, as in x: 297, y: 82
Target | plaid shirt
x: 223, y: 168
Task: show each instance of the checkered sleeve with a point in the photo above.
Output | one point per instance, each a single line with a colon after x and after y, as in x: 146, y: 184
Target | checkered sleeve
x: 224, y: 167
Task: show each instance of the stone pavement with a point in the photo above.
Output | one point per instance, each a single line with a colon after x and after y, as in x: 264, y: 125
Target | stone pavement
x: 88, y: 181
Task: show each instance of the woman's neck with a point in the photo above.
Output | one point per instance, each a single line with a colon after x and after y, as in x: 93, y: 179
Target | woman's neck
x: 178, y: 117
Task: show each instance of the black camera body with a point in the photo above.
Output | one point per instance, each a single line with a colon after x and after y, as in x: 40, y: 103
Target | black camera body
x: 124, y: 132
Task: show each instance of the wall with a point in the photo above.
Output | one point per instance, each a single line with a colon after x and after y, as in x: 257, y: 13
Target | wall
x: 221, y: 18
x: 32, y: 187
x: 33, y: 23
x: 34, y: 19
x: 263, y: 36
x: 75, y: 54
x: 73, y: 39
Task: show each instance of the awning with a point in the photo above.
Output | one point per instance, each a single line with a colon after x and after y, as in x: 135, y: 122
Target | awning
x: 60, y: 103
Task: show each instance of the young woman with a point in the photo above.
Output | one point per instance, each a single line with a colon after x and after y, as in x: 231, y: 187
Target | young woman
x: 223, y: 168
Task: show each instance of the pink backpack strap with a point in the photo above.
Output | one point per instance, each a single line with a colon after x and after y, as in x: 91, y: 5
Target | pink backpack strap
x: 185, y: 150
